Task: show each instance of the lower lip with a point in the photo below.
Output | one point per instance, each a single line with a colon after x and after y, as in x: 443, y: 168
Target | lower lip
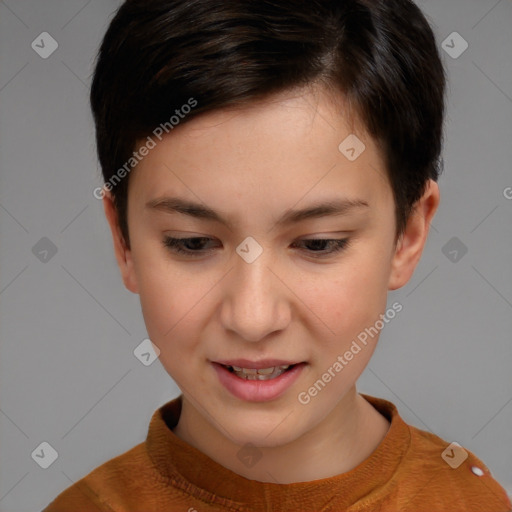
x: 257, y: 390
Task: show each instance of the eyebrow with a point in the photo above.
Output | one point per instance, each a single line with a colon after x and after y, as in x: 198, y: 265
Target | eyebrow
x: 327, y: 208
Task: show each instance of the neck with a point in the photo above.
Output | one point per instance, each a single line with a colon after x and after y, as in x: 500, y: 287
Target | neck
x: 341, y: 441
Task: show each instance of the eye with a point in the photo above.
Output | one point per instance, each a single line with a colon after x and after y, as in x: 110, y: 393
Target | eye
x: 176, y: 245
x: 194, y: 246
x: 336, y: 245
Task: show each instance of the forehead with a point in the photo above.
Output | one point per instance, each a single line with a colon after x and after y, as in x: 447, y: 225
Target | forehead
x: 279, y: 149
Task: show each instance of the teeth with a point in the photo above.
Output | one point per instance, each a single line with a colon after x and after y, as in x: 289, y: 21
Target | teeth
x: 266, y: 371
x: 261, y: 373
x: 250, y: 371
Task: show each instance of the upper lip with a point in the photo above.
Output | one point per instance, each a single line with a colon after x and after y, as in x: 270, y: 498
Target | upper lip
x: 262, y: 363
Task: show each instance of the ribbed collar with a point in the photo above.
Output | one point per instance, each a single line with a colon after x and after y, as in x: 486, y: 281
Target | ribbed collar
x: 186, y: 467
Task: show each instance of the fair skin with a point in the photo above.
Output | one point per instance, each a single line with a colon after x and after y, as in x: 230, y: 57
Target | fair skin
x: 252, y: 165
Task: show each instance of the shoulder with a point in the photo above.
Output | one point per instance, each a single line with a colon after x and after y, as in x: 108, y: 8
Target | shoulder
x: 108, y: 486
x: 138, y: 479
x: 430, y: 474
x: 446, y: 474
x: 77, y: 497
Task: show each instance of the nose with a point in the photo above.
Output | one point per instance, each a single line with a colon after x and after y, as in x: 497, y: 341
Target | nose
x: 255, y: 301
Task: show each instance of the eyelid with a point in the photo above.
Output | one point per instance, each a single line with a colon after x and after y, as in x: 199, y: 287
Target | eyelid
x: 338, y: 244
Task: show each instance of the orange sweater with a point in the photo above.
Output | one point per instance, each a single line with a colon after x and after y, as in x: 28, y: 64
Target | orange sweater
x: 407, y: 472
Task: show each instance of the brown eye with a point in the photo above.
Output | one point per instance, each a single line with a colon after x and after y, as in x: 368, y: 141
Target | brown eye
x: 336, y: 245
x: 193, y: 245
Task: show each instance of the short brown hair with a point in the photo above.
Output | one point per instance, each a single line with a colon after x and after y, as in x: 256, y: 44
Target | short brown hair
x: 381, y: 55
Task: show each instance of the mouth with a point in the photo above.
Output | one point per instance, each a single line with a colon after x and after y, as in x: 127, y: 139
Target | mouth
x: 258, y: 381
x: 269, y: 373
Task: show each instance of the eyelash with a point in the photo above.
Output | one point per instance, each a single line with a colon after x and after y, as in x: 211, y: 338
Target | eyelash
x: 173, y: 244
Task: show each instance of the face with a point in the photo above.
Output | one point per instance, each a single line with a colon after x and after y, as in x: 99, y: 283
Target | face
x: 256, y: 280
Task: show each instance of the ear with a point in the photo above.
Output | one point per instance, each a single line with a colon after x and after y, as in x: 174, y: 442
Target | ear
x: 123, y: 254
x: 412, y: 241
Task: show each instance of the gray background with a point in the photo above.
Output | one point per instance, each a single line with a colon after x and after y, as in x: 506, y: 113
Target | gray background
x: 68, y: 327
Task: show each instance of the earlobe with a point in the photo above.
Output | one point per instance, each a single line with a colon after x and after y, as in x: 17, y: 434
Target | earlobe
x: 412, y: 241
x: 122, y: 253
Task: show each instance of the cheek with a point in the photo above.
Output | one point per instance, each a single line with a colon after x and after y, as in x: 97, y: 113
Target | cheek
x: 352, y: 299
x: 171, y: 306
x: 167, y: 295
x: 349, y: 307
x: 168, y: 304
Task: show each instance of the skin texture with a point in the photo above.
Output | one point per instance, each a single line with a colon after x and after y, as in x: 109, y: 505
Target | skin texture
x: 252, y: 165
